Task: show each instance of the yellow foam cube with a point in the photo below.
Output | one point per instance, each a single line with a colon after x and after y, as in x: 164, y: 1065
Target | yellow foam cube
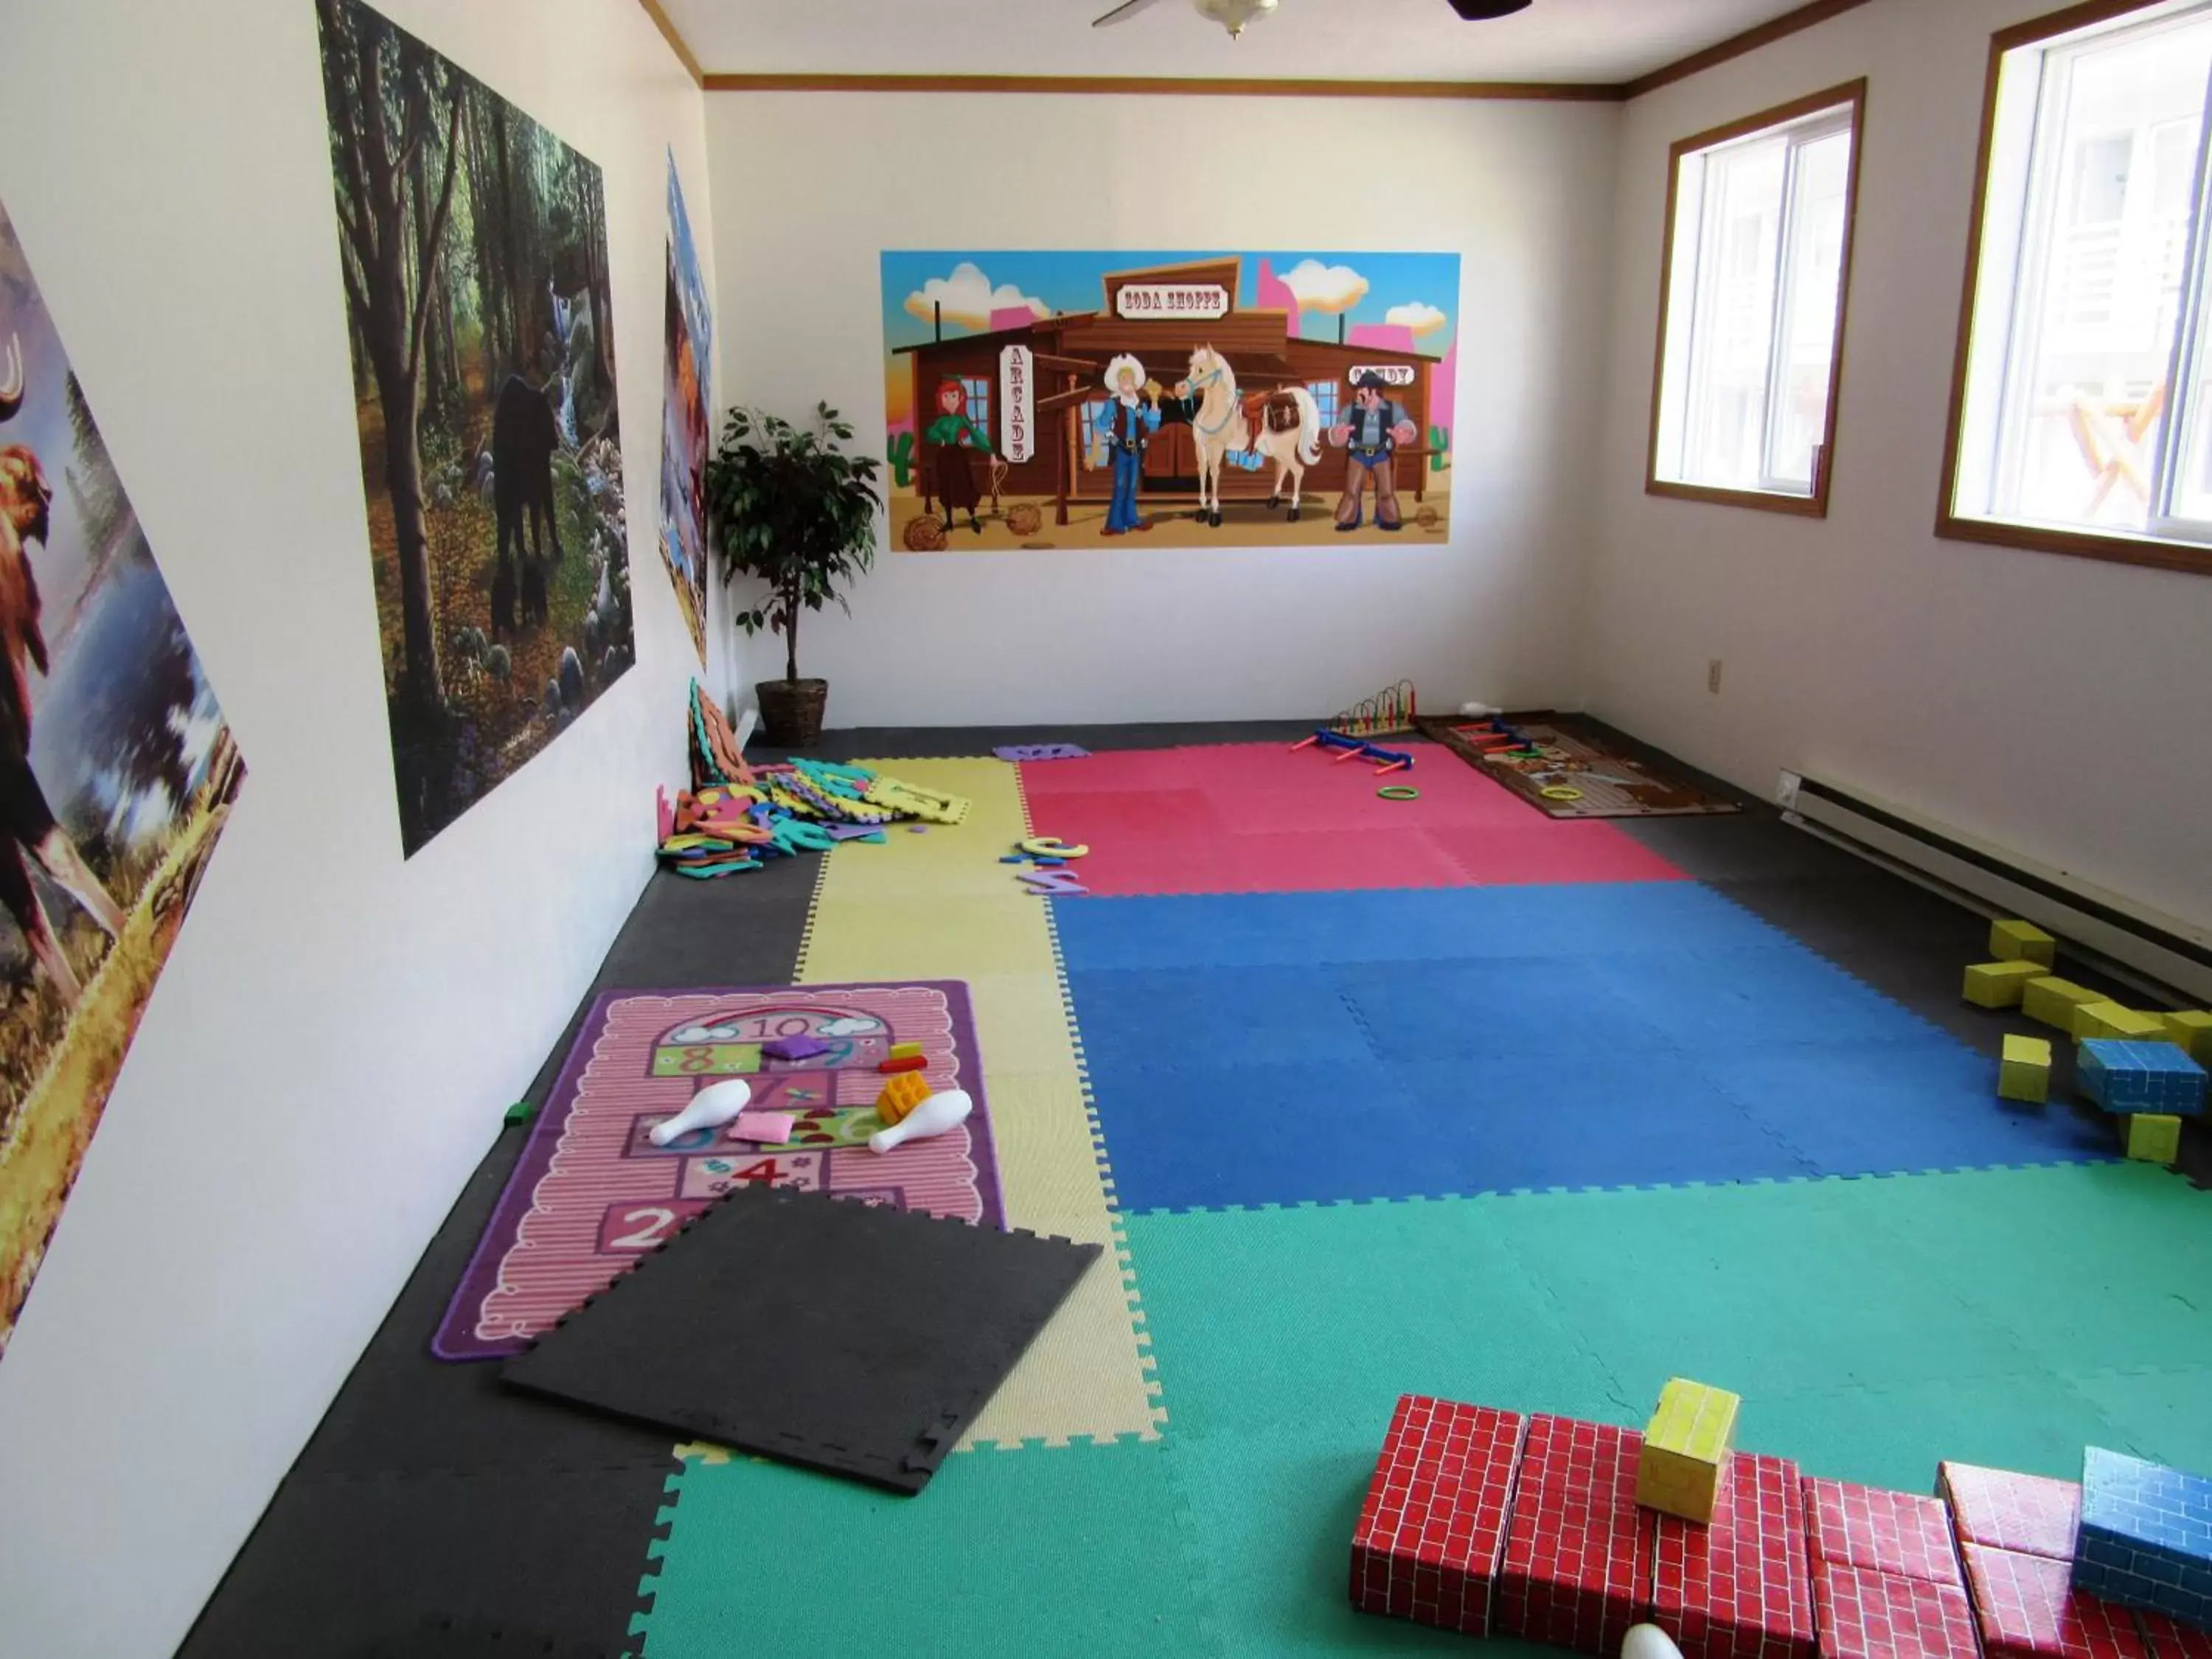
x: 905, y: 1051
x: 2109, y: 1019
x: 1999, y: 984
x: 2052, y: 1001
x: 2023, y: 941
x: 2191, y: 1033
x: 2024, y: 1072
x: 2152, y: 1138
x: 905, y: 1091
x: 1686, y: 1450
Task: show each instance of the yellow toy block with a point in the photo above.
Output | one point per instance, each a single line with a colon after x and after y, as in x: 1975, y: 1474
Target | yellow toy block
x: 2154, y: 1139
x: 2191, y: 1033
x: 905, y: 1091
x: 2109, y: 1019
x: 905, y: 1051
x: 1686, y: 1450
x: 2024, y: 1072
x: 2023, y: 941
x: 916, y: 802
x: 2052, y: 1001
x: 1999, y: 984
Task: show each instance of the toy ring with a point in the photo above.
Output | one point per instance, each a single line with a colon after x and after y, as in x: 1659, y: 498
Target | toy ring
x: 1398, y: 792
x: 1560, y: 792
x: 1051, y: 847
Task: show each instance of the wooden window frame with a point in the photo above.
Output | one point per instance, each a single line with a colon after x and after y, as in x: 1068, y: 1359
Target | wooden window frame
x: 1850, y: 94
x: 2116, y: 547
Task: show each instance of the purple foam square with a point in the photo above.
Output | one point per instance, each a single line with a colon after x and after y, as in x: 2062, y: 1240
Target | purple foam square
x: 797, y: 1047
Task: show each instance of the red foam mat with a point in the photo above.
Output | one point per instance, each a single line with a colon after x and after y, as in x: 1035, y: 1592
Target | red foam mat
x: 1266, y: 818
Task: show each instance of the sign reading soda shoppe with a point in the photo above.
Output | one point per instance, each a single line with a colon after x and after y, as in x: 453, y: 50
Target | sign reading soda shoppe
x: 1163, y: 299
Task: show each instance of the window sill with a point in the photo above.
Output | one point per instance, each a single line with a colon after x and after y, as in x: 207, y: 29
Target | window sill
x: 1763, y: 501
x: 2113, y: 549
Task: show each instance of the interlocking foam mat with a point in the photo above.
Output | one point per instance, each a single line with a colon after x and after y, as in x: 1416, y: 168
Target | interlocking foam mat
x: 592, y: 1192
x: 853, y: 1338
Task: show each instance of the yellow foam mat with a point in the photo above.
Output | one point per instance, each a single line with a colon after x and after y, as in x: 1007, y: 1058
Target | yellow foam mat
x: 941, y: 905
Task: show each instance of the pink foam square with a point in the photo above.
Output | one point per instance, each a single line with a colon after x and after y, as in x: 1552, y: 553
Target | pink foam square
x: 768, y: 1128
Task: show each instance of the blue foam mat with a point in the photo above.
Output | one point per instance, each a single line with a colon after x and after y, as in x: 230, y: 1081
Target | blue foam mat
x: 1317, y: 1048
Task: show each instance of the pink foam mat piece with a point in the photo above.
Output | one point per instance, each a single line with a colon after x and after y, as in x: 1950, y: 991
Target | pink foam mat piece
x: 768, y: 1128
x: 1264, y: 819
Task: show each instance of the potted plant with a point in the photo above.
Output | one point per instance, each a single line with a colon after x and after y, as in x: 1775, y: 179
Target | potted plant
x: 792, y: 509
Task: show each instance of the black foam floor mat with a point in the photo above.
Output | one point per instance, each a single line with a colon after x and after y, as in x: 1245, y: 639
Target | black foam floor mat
x: 817, y: 1330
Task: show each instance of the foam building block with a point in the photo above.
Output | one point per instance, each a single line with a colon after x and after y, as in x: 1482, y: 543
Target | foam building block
x: 2027, y: 1514
x: 2024, y: 1070
x: 900, y: 1096
x: 1431, y: 1533
x: 2110, y: 1019
x: 1740, y: 1587
x: 2191, y: 1031
x: 2023, y: 941
x: 2141, y: 1076
x: 2168, y: 1640
x: 767, y: 1128
x: 2052, y: 1001
x: 1686, y: 1450
x: 2146, y: 1536
x: 1578, y: 1548
x: 2027, y: 1607
x: 1899, y: 1533
x: 2153, y: 1138
x: 1863, y: 1613
x: 2000, y: 984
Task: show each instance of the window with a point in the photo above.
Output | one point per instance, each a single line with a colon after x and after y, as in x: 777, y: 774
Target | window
x: 2082, y: 412
x: 978, y: 402
x: 1324, y: 397
x: 1758, y: 259
x: 1096, y: 457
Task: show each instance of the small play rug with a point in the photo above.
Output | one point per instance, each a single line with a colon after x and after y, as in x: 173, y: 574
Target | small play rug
x: 592, y: 1192
x: 1575, y: 775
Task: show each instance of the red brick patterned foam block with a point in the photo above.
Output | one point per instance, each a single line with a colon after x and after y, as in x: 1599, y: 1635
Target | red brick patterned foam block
x: 1742, y: 1588
x: 1866, y: 1613
x: 1578, y: 1552
x: 2028, y: 1514
x: 2028, y: 1606
x: 1899, y: 1533
x: 1432, y: 1530
x: 2168, y: 1640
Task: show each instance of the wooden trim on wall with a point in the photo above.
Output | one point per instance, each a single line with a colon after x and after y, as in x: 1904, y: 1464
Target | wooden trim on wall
x: 671, y: 33
x: 1736, y: 45
x: 1168, y: 85
x: 1853, y: 95
x: 1950, y: 523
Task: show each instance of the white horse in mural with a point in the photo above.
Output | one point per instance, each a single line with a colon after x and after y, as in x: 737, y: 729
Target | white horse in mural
x: 1218, y: 428
x: 1293, y: 449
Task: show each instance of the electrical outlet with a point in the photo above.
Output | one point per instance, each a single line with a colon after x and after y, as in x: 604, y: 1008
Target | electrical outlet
x: 1713, y: 676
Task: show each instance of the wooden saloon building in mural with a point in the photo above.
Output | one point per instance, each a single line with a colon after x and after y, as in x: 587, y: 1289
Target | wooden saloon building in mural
x: 1159, y: 315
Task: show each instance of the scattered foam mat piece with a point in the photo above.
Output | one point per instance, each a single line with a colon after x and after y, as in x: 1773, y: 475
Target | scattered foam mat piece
x: 840, y: 1335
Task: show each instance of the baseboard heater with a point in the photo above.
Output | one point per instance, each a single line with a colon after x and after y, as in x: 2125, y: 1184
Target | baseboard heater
x: 2156, y: 952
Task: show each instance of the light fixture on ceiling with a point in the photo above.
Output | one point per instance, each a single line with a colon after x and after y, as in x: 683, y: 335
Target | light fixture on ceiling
x: 1234, y: 14
x: 1476, y: 11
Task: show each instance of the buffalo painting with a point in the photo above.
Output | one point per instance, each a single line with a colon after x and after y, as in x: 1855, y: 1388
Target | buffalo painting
x: 474, y: 249
x: 117, y: 774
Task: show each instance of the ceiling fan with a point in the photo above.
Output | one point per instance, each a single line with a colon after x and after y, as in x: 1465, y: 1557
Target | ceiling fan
x: 1234, y: 14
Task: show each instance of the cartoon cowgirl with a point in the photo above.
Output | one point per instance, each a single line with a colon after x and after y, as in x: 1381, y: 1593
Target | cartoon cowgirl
x: 954, y: 434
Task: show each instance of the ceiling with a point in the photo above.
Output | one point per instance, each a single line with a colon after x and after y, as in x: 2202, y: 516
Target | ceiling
x: 1582, y: 40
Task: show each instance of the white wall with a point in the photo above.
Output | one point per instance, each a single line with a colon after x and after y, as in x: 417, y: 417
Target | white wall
x: 2058, y: 706
x: 810, y: 189
x: 337, y: 1033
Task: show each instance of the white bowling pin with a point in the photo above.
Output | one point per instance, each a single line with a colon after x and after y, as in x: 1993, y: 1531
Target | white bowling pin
x: 710, y: 1109
x: 933, y: 1116
x: 1648, y: 1642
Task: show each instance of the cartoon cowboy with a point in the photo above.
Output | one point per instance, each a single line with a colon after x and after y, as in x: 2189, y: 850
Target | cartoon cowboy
x: 1125, y: 421
x: 1375, y: 428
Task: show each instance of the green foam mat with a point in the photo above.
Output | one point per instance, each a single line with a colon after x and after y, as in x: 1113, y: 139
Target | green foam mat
x: 1873, y: 1326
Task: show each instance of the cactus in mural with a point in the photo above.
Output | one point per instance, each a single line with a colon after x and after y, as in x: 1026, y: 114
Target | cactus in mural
x: 900, y: 454
x: 1439, y: 448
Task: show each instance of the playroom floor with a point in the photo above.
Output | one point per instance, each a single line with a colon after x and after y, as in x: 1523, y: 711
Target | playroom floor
x: 1455, y: 1099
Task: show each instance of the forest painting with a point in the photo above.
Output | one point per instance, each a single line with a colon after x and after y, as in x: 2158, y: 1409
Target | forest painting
x: 474, y: 246
x: 686, y: 425
x: 117, y: 773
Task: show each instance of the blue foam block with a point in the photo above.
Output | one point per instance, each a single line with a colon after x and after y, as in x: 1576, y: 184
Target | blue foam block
x: 2141, y: 1076
x: 2146, y: 1536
